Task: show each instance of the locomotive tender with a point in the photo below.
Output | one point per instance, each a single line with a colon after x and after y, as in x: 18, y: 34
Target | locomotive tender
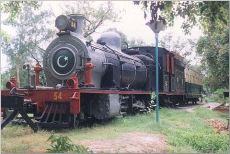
x: 99, y: 80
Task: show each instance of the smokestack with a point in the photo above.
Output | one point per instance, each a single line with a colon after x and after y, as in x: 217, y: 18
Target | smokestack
x: 80, y: 19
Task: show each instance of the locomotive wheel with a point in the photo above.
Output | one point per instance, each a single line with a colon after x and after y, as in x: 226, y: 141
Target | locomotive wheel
x: 139, y: 107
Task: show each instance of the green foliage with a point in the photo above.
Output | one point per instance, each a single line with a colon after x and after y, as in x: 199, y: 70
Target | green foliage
x: 218, y: 96
x: 61, y: 144
x: 208, y: 14
x: 5, y: 77
x: 5, y: 37
x: 214, y: 49
x: 31, y: 30
x: 206, y: 142
x: 198, y: 135
x: 15, y: 7
x: 213, y: 14
x: 202, y: 140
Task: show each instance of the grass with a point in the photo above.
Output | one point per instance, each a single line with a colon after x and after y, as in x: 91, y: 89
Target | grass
x: 185, y: 132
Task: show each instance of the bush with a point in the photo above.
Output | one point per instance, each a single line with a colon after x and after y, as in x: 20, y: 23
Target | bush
x: 217, y: 96
x: 61, y: 144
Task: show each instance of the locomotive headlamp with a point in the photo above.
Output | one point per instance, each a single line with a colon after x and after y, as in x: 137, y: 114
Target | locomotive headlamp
x: 64, y: 23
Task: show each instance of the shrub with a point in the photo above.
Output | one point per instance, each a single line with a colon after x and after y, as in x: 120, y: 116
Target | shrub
x: 217, y: 96
x: 61, y: 144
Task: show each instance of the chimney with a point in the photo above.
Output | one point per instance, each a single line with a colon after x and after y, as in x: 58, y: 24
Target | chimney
x: 80, y: 19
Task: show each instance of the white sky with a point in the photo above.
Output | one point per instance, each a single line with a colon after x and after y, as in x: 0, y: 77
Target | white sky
x: 132, y: 23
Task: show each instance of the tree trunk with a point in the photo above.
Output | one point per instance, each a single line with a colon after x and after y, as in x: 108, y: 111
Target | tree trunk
x: 17, y: 76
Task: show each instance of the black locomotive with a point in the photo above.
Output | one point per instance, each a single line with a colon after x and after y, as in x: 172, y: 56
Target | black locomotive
x: 99, y: 80
x: 114, y: 69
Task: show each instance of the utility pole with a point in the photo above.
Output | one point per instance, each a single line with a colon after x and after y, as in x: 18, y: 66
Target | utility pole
x: 157, y: 24
x: 157, y: 78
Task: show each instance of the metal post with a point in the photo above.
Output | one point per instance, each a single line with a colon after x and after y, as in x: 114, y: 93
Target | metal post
x: 156, y: 27
x: 157, y: 79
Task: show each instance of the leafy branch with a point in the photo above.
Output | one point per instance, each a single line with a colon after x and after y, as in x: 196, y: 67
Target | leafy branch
x: 61, y: 144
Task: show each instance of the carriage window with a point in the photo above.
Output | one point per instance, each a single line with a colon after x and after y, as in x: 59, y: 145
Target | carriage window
x: 167, y: 59
x: 172, y: 64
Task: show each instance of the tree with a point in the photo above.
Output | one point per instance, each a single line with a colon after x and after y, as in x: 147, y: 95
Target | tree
x: 31, y: 31
x: 214, y: 45
x: 13, y: 8
x: 214, y: 50
x: 203, y: 13
x: 4, y: 78
x: 95, y: 16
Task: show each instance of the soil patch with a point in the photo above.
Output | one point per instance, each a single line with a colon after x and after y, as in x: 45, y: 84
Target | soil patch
x: 211, y: 106
x: 218, y: 125
x: 133, y: 142
x: 222, y: 108
x: 188, y: 108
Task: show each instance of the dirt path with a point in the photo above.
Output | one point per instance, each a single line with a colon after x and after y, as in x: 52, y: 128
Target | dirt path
x: 133, y: 142
x: 211, y: 106
x: 190, y: 108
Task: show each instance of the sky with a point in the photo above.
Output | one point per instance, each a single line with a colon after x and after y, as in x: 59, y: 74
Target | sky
x: 131, y: 23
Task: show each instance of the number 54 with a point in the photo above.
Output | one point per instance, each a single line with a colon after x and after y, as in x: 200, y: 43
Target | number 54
x: 57, y: 95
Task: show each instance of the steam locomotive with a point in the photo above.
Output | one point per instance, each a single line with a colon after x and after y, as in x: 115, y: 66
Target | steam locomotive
x: 87, y: 80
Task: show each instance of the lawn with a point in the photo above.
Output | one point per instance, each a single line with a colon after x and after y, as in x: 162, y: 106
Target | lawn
x: 184, y: 131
